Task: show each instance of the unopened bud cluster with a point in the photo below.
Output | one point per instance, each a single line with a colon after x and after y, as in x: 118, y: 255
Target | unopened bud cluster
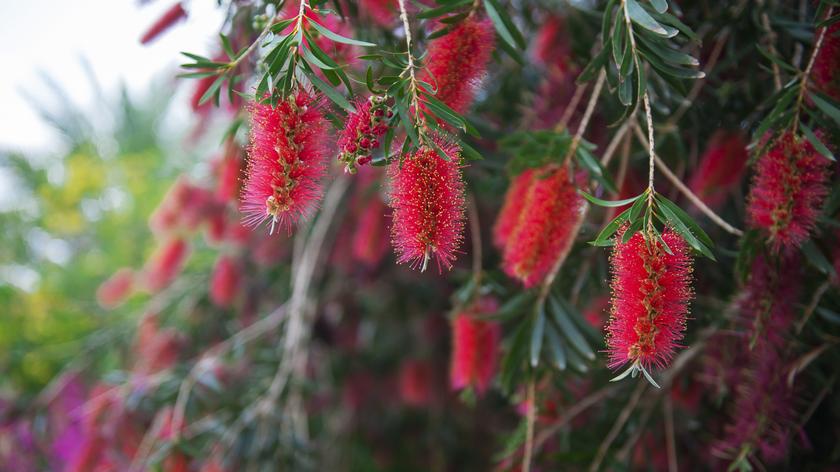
x: 361, y: 134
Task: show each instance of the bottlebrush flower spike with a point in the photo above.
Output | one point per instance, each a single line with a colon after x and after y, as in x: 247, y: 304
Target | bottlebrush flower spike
x: 362, y: 131
x: 166, y: 263
x: 382, y: 12
x: 415, y: 382
x: 170, y: 17
x: 764, y: 418
x: 826, y: 71
x: 721, y: 167
x: 767, y: 306
x: 113, y: 292
x: 544, y: 231
x: 370, y: 240
x: 225, y: 281
x: 427, y: 199
x: 475, y: 347
x: 457, y: 62
x: 651, y: 292
x: 788, y: 191
x: 512, y: 208
x: 286, y: 161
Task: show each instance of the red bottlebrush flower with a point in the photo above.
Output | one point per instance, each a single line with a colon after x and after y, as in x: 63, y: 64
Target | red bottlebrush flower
x: 457, y: 62
x: 165, y: 264
x: 415, y: 382
x: 475, y: 347
x: 113, y: 292
x: 382, y: 12
x: 427, y: 198
x: 227, y: 183
x: 763, y: 414
x: 155, y: 349
x: 552, y: 47
x: 721, y: 167
x: 224, y: 283
x: 651, y: 291
x: 826, y: 71
x: 370, y: 241
x: 768, y: 304
x: 545, y: 230
x: 286, y: 161
x: 185, y: 206
x: 362, y: 131
x: 512, y: 208
x: 170, y: 17
x: 788, y: 190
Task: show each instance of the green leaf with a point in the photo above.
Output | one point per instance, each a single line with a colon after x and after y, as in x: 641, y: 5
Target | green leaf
x: 641, y: 17
x: 337, y: 37
x: 330, y: 92
x: 603, y: 238
x: 555, y: 345
x: 569, y: 330
x: 826, y: 107
x: 212, y: 91
x: 666, y: 53
x: 442, y: 10
x: 537, y: 332
x: 594, y: 65
x: 514, y: 306
x: 815, y: 141
x: 671, y: 70
x: 661, y: 6
x: 680, y: 227
x: 594, y: 168
x: 816, y: 258
x: 504, y: 25
x: 609, y: 203
x: 411, y: 131
x: 686, y: 218
x: 281, y: 25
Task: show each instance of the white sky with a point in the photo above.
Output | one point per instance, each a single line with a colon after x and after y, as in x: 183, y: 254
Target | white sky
x: 52, y: 35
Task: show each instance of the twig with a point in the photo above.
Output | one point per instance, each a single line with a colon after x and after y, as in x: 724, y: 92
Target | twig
x: 771, y: 45
x: 587, y: 115
x: 617, y: 426
x: 670, y: 440
x: 529, y: 432
x: 571, y: 107
x: 572, y: 412
x: 812, y: 305
x: 694, y: 199
x: 410, y: 67
x: 475, y: 235
x: 699, y: 83
x: 803, y: 84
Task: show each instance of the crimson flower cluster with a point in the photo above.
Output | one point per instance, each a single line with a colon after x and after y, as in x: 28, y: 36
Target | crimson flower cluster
x: 475, y: 346
x: 362, y: 131
x: 286, y: 161
x: 651, y: 292
x: 427, y: 199
x: 787, y: 191
x: 536, y: 226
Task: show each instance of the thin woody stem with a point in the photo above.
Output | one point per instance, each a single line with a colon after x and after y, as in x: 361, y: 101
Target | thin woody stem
x: 529, y: 432
x: 803, y: 85
x: 415, y: 101
x: 694, y: 199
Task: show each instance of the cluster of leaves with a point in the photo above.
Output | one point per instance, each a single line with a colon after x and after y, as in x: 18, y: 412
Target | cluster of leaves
x: 635, y: 34
x: 644, y: 212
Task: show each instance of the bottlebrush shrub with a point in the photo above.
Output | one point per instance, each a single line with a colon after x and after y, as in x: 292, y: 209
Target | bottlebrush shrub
x: 362, y: 131
x: 457, y: 62
x: 171, y: 16
x: 651, y: 292
x: 427, y: 202
x: 788, y: 191
x: 475, y: 347
x: 827, y: 63
x: 285, y: 161
x: 543, y: 229
x: 721, y: 167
